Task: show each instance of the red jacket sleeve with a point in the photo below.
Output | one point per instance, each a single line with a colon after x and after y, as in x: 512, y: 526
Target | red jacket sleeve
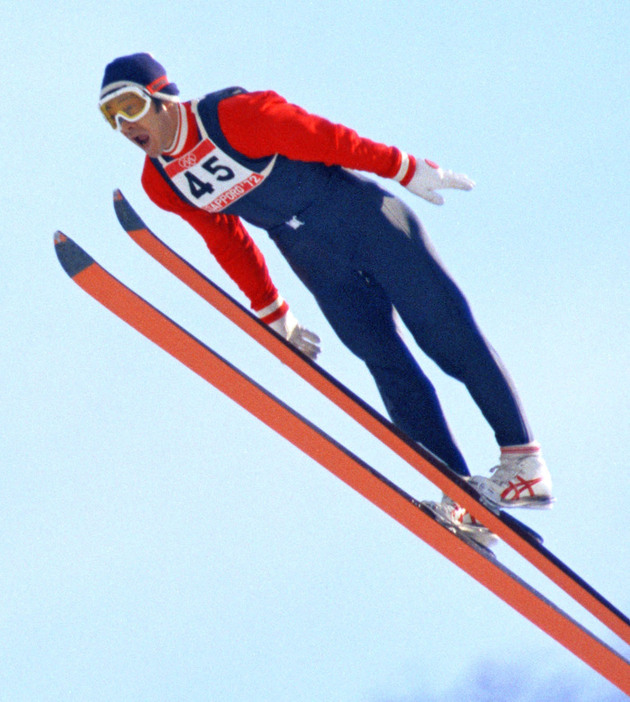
x: 226, y: 237
x: 263, y: 123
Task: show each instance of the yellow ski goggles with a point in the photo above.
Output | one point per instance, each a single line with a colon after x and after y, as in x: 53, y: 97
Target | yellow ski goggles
x: 127, y: 103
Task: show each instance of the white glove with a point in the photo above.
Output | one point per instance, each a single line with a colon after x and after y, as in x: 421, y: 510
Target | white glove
x: 304, y: 340
x: 429, y: 177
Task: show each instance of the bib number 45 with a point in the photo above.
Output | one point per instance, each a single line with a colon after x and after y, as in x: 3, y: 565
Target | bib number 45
x: 218, y: 171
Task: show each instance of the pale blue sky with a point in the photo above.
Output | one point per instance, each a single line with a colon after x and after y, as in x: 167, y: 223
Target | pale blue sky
x: 160, y: 544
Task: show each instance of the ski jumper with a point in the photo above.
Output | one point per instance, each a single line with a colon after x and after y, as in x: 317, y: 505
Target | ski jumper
x: 359, y: 250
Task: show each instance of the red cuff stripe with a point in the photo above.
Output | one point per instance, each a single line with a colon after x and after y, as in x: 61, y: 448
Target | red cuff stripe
x: 410, y: 171
x: 526, y: 448
x: 276, y: 314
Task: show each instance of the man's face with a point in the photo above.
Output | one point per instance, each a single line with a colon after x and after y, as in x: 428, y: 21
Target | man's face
x: 153, y: 133
x: 149, y: 124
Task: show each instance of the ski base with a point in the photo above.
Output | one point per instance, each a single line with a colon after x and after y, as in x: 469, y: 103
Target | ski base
x: 471, y: 558
x: 513, y: 532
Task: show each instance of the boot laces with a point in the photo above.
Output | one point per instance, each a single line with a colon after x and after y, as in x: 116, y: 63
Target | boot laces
x: 506, y: 470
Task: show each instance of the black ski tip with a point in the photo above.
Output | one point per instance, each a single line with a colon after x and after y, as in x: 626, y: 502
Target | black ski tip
x: 72, y: 257
x: 127, y: 216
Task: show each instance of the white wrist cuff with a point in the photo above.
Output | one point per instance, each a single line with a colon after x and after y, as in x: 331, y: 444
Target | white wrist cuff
x: 404, y: 167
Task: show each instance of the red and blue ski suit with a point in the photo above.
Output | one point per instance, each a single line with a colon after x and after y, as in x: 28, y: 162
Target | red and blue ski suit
x: 360, y: 251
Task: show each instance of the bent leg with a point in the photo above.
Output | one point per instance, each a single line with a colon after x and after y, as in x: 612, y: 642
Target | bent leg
x: 440, y: 320
x: 363, y: 318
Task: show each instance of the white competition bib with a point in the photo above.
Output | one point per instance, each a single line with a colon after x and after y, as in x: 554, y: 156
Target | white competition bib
x: 209, y: 178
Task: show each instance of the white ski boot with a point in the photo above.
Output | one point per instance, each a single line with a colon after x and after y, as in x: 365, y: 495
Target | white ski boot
x: 452, y: 515
x: 521, y: 479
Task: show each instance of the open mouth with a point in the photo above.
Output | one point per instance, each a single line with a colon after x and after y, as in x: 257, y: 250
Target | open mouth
x: 142, y: 140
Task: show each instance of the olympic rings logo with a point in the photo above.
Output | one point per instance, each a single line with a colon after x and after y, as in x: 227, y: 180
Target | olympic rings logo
x: 187, y: 161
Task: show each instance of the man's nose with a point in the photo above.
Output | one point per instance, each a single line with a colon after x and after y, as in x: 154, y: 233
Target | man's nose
x: 123, y: 125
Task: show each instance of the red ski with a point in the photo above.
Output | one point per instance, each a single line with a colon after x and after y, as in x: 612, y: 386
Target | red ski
x: 153, y: 324
x: 502, y: 524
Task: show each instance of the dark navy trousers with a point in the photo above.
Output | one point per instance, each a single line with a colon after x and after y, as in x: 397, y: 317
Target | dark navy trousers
x: 363, y: 254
